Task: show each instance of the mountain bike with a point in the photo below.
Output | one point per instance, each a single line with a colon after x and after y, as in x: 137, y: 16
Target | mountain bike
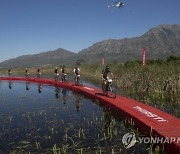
x: 10, y: 74
x: 56, y: 76
x: 108, y: 88
x: 39, y: 74
x: 63, y: 77
x: 27, y: 74
x: 77, y: 80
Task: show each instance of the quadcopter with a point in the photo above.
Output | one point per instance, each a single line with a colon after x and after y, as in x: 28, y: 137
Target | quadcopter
x: 117, y: 4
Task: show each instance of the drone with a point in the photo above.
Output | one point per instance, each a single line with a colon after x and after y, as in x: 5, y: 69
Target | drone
x: 117, y: 4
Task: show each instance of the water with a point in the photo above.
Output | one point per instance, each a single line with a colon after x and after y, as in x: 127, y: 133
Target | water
x: 39, y: 118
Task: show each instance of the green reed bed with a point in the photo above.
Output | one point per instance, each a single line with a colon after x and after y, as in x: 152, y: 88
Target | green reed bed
x: 156, y: 84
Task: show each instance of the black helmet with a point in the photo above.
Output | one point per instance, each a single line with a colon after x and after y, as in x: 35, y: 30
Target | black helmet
x: 107, y: 68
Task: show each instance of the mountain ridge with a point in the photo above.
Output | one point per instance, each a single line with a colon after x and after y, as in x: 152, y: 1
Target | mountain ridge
x: 160, y: 42
x: 40, y: 59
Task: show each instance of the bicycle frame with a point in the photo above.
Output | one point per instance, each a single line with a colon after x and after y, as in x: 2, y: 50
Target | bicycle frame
x: 108, y: 89
x: 56, y: 76
x: 63, y: 77
x: 39, y: 74
x: 77, y: 79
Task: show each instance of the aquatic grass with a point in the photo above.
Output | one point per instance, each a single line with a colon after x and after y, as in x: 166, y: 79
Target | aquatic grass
x: 55, y: 150
x: 38, y: 145
x: 51, y: 127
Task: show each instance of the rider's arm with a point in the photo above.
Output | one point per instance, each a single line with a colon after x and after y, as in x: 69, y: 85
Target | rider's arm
x: 112, y: 75
x: 101, y: 76
x: 78, y: 70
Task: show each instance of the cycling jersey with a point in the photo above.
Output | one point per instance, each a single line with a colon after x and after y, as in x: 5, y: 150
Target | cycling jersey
x: 105, y: 73
x: 56, y: 71
x: 62, y: 70
x: 76, y: 71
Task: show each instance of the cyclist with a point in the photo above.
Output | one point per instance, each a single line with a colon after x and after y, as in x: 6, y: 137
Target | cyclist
x: 105, y: 73
x: 26, y: 72
x: 63, y: 74
x: 39, y: 73
x: 56, y: 74
x: 76, y: 73
x: 9, y: 72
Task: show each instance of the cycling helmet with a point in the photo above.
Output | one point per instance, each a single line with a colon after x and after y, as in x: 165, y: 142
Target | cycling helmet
x: 107, y: 68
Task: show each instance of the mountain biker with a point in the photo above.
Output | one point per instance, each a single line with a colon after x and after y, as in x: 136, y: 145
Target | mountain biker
x: 76, y: 73
x: 105, y: 73
x: 55, y: 70
x: 9, y: 72
x: 26, y: 72
x: 63, y: 68
x: 63, y: 74
x: 56, y: 74
x: 39, y: 72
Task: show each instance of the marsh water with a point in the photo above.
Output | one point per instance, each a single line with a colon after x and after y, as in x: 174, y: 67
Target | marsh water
x: 38, y: 118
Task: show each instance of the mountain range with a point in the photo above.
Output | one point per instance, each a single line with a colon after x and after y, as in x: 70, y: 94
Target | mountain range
x: 160, y: 42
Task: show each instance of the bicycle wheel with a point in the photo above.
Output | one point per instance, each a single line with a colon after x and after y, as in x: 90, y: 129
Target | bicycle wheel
x: 65, y: 80
x: 56, y: 77
x: 75, y: 80
x: 104, y: 89
x: 79, y: 82
x: 112, y: 92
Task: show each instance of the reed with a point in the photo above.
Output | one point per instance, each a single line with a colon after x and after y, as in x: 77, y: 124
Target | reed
x: 155, y: 84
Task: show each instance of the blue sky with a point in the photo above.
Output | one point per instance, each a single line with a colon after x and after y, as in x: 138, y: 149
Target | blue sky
x: 34, y: 26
